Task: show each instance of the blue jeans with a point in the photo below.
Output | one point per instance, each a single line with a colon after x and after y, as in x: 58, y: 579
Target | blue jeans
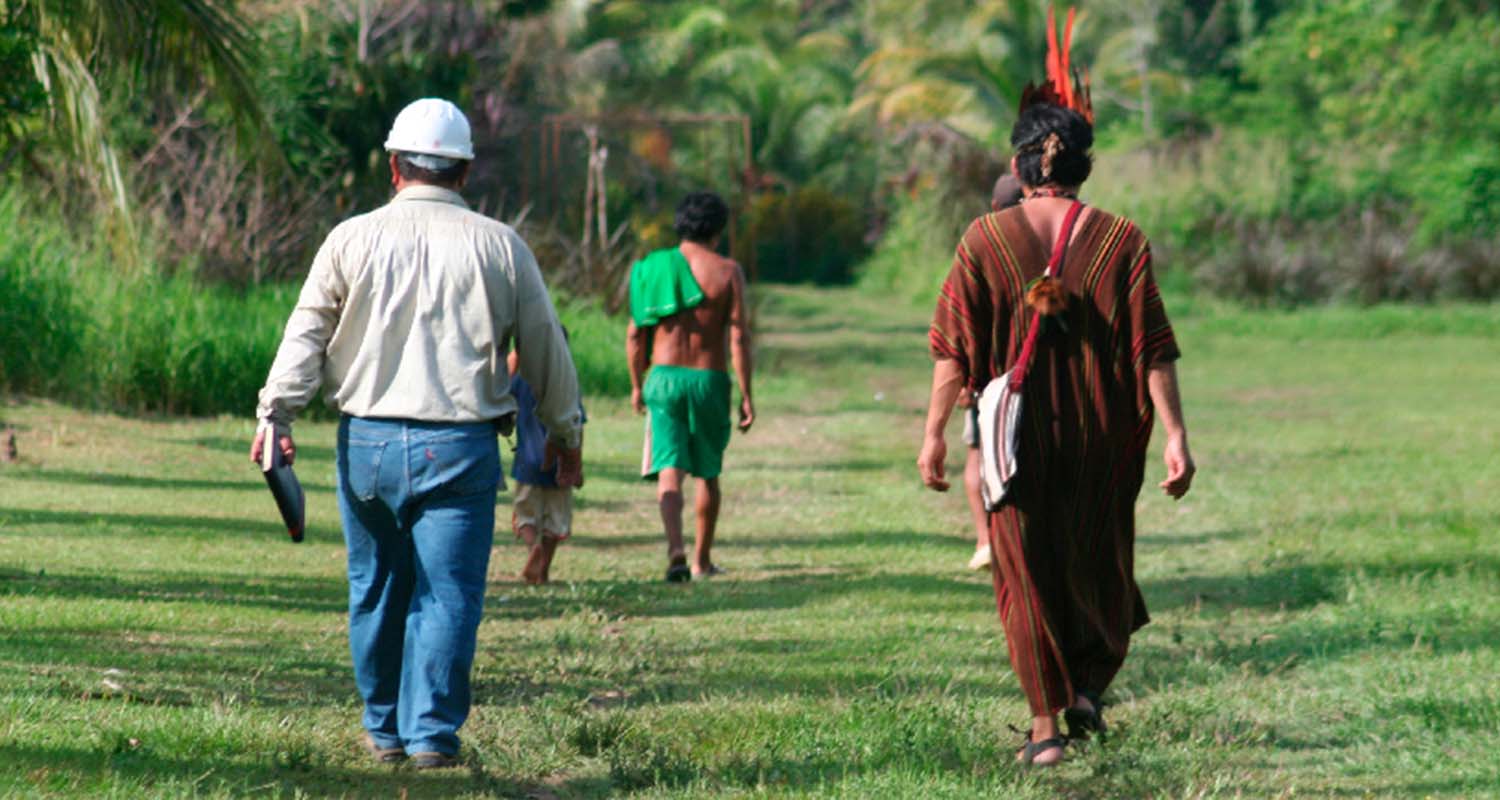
x: 418, y: 505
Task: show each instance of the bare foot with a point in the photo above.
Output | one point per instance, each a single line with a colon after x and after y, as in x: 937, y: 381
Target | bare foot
x: 535, y: 571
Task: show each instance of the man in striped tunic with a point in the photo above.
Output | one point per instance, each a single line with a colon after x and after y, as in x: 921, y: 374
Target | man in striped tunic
x: 1063, y: 539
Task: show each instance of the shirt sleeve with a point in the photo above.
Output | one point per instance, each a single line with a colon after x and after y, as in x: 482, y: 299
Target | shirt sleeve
x: 297, y: 371
x: 542, y: 352
x: 1152, y: 340
x: 965, y: 316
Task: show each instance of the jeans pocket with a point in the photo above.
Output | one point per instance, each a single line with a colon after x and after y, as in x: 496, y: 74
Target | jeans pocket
x: 362, y: 470
x: 461, y: 467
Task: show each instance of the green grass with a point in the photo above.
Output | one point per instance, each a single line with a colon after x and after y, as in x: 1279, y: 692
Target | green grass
x: 1325, y: 603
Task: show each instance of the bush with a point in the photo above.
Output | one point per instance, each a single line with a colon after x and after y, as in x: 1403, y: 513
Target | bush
x: 916, y: 252
x: 807, y: 236
x: 597, y: 340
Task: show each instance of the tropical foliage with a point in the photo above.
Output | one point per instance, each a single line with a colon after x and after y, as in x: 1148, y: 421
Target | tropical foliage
x: 854, y: 138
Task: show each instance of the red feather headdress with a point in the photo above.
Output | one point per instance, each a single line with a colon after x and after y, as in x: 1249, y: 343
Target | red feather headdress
x: 1063, y: 85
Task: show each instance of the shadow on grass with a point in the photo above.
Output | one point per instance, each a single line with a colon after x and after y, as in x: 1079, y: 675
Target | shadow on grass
x: 651, y: 597
x: 852, y: 540
x: 277, y: 592
x: 252, y: 483
x: 1296, y: 586
x: 288, y: 772
x: 1159, y: 541
x: 1307, y: 640
x: 112, y: 523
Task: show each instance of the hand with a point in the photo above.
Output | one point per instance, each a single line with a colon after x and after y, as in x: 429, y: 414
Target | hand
x: 637, y: 404
x: 747, y: 414
x: 569, y: 461
x: 930, y: 463
x: 284, y: 437
x: 1180, y: 468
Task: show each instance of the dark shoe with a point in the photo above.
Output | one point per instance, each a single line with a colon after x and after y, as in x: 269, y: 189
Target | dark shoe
x: 433, y: 761
x: 1082, y: 723
x: 679, y: 573
x: 712, y: 571
x: 383, y: 755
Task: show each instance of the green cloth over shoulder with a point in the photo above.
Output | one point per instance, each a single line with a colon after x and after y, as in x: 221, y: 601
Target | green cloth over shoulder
x: 662, y: 284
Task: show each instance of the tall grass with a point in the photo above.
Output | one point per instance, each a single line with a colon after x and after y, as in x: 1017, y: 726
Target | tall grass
x: 597, y: 339
x: 39, y: 320
x: 74, y: 329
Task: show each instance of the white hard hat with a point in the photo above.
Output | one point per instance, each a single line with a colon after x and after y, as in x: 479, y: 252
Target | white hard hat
x: 432, y: 126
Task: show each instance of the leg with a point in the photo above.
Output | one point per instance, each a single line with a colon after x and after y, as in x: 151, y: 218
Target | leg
x: 525, y: 516
x: 380, y: 582
x: 541, y: 556
x: 534, y: 572
x: 707, y: 504
x: 557, y: 525
x: 452, y: 514
x: 981, y: 518
x: 669, y: 498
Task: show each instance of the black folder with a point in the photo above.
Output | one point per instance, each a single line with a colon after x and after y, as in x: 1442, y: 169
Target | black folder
x: 285, y: 488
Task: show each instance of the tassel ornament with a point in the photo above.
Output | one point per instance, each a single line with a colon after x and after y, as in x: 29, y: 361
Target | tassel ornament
x: 1047, y: 297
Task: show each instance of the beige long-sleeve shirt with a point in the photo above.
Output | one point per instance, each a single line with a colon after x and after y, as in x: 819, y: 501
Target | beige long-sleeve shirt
x: 409, y: 311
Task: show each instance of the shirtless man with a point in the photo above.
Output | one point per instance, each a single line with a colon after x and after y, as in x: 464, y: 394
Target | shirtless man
x: 687, y: 303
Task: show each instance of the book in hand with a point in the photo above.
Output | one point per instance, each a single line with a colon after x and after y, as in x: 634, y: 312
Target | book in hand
x: 284, y: 485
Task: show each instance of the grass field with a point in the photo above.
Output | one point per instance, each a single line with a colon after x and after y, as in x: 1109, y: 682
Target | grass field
x: 1326, y: 602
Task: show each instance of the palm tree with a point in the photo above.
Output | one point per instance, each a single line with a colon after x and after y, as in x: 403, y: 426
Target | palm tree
x: 957, y: 63
x: 148, y: 45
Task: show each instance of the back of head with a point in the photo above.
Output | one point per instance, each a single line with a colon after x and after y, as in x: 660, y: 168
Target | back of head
x: 701, y: 216
x: 1006, y: 193
x: 432, y: 141
x: 1052, y: 144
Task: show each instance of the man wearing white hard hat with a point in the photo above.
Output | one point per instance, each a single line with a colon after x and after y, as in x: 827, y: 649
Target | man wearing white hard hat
x: 405, y: 321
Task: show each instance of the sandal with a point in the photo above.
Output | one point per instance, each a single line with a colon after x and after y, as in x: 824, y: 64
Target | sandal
x: 1029, y: 751
x: 1082, y: 722
x: 679, y: 573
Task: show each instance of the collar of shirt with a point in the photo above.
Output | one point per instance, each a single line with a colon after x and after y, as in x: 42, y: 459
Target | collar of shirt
x: 426, y: 191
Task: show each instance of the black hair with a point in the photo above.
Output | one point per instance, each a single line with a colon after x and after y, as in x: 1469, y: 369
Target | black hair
x: 1072, y: 163
x: 700, y: 217
x: 448, y: 177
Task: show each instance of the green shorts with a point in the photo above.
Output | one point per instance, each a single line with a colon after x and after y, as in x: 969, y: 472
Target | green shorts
x: 687, y: 423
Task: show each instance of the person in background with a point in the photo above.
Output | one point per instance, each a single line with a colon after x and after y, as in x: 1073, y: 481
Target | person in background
x: 542, y: 511
x: 687, y: 322
x: 1005, y: 193
x: 404, y: 322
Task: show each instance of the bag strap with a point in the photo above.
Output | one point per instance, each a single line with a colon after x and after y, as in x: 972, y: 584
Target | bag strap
x: 1054, y: 269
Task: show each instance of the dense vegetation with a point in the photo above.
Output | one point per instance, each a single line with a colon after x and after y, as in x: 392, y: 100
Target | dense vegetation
x: 199, y: 150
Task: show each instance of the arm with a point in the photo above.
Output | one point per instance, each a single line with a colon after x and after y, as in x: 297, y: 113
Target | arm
x: 947, y: 383
x: 1162, y: 383
x: 546, y: 363
x: 739, y: 348
x: 297, y: 371
x: 638, y: 356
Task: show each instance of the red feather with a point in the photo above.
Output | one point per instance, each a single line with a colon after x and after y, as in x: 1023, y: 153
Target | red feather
x: 1062, y: 86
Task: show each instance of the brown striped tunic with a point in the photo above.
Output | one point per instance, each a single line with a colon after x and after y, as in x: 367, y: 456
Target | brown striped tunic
x: 1063, y: 543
